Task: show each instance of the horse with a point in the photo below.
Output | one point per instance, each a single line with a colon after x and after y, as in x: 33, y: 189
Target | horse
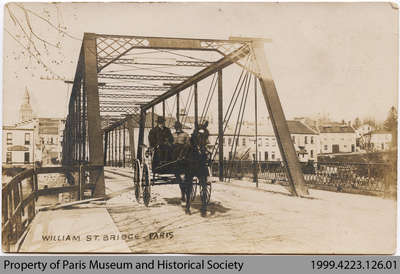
x: 194, y: 163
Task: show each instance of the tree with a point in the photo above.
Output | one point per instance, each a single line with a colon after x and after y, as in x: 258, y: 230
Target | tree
x: 370, y: 121
x: 357, y: 123
x: 390, y: 125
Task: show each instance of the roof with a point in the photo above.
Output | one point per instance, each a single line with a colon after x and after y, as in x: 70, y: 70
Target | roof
x: 336, y: 129
x: 16, y: 128
x: 379, y: 131
x: 297, y: 127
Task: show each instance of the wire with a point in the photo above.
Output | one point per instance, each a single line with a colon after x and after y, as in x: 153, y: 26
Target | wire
x: 206, y: 102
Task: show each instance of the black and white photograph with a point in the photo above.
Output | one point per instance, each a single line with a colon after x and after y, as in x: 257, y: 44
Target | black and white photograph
x: 200, y: 128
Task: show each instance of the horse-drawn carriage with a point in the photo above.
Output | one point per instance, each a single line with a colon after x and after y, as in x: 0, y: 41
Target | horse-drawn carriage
x: 187, y: 166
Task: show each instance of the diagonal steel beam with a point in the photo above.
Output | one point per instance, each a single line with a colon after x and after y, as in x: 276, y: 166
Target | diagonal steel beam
x: 281, y: 129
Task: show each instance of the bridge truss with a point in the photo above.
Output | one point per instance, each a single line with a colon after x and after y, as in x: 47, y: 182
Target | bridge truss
x: 139, y: 74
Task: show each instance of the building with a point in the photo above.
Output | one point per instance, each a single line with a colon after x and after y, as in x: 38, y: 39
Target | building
x: 377, y: 140
x: 49, y: 131
x: 337, y: 138
x: 25, y: 110
x: 363, y: 129
x: 305, y: 140
x: 32, y: 139
x: 18, y: 145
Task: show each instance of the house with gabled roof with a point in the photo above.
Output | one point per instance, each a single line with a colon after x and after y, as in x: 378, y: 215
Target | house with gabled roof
x: 337, y: 138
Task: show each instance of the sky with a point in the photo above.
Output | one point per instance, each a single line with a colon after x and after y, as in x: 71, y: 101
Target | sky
x: 337, y: 59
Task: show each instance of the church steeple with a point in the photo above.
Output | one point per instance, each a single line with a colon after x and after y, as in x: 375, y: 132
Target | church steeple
x: 25, y: 111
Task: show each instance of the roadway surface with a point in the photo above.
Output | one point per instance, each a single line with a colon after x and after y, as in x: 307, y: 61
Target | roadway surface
x: 240, y: 219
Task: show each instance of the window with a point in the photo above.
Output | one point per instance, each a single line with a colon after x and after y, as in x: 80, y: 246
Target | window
x: 273, y: 156
x: 294, y: 139
x: 26, y: 157
x: 326, y: 147
x: 9, y: 138
x: 27, y: 138
x: 229, y: 141
x: 312, y: 153
x: 244, y: 141
x: 9, y: 158
x: 305, y: 140
x: 266, y: 155
x: 312, y: 139
x: 259, y: 142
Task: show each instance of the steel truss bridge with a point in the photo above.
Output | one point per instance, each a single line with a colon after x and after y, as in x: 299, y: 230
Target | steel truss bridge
x: 107, y: 119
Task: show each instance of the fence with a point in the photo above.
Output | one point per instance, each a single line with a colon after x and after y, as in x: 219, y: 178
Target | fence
x: 369, y: 177
x: 19, y: 197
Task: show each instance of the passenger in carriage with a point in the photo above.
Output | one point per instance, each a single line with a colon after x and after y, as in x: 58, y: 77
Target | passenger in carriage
x: 160, y: 139
x: 201, y: 134
x: 181, y: 141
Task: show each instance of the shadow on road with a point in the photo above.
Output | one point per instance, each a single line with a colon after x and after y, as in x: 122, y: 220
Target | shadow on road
x: 212, y: 208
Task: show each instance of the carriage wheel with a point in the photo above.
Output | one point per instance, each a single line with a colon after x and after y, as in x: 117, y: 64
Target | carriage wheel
x: 194, y: 188
x: 146, y: 185
x: 205, y: 191
x: 136, y: 179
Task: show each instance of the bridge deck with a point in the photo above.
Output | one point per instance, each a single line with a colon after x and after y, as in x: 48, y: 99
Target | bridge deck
x: 241, y: 219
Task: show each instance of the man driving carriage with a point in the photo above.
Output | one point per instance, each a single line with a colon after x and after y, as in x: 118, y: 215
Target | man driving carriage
x: 160, y: 139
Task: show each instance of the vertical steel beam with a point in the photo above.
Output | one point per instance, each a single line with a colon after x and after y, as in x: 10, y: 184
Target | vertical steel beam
x: 123, y: 146
x: 163, y: 109
x: 79, y: 126
x: 96, y: 156
x: 105, y: 147
x: 142, y: 124
x: 109, y: 148
x: 196, y: 107
x: 84, y: 113
x: 112, y: 148
x: 220, y: 127
x: 119, y: 146
x: 152, y: 117
x: 256, y: 121
x: 281, y: 129
x: 131, y: 131
x: 115, y: 147
x: 177, y: 107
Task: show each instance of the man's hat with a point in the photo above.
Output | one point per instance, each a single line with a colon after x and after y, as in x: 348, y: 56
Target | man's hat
x: 160, y: 119
x: 177, y: 124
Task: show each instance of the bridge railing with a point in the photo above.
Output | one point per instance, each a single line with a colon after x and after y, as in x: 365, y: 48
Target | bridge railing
x: 20, y: 195
x: 365, y: 178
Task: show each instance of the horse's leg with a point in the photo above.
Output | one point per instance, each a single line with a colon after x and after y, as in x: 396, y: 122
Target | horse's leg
x: 189, y: 186
x: 181, y: 186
